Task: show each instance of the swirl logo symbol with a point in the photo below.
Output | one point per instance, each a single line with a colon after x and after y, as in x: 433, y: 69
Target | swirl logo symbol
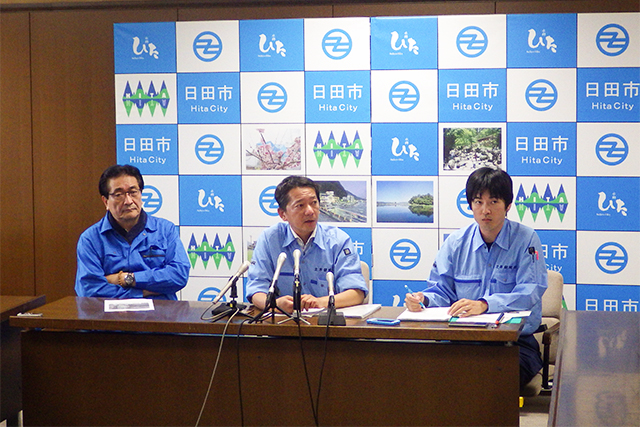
x: 611, y: 258
x: 272, y: 97
x: 209, y: 149
x: 463, y: 205
x: 207, y: 46
x: 472, y: 42
x: 337, y: 44
x: 209, y: 294
x: 404, y: 96
x: 151, y: 199
x: 612, y: 149
x: 612, y: 40
x: 267, y: 201
x: 541, y: 95
x: 405, y: 254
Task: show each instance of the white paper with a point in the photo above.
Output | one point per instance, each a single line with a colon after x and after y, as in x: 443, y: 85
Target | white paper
x: 429, y: 314
x: 133, y: 304
x: 359, y: 311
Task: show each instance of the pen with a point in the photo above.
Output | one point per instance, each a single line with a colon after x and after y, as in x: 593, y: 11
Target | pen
x: 411, y: 292
x: 499, y: 318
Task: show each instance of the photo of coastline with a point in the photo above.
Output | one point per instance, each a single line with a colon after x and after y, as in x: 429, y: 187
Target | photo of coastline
x: 404, y: 201
x: 343, y: 201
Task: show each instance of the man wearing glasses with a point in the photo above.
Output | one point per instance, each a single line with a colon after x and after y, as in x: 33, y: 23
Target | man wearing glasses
x: 129, y: 254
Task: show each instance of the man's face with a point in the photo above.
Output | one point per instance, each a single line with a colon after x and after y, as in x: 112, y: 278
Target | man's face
x: 124, y: 201
x: 302, y: 211
x: 489, y: 213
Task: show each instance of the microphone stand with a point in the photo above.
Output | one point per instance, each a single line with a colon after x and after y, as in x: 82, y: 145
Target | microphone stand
x: 331, y: 316
x: 297, y: 303
x: 270, y: 305
x: 230, y: 308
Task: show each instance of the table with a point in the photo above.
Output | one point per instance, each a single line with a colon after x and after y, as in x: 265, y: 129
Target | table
x: 10, y: 381
x: 87, y: 367
x: 597, y: 374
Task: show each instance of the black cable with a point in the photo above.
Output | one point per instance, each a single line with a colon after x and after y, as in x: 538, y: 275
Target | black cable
x: 239, y: 376
x: 215, y: 367
x: 324, y: 358
x: 306, y: 373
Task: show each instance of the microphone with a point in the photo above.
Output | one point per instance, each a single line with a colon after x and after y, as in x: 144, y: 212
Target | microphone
x: 281, y: 259
x: 332, y: 298
x: 270, y: 301
x: 296, y: 262
x: 331, y: 316
x: 244, y: 267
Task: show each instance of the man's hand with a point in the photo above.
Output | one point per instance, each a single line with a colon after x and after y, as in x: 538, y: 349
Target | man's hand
x: 309, y: 301
x: 412, y: 301
x: 146, y: 293
x: 467, y: 307
x: 115, y: 278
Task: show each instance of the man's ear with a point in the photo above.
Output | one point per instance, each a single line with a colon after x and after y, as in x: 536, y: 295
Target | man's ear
x: 282, y: 214
x: 507, y: 210
x: 104, y: 200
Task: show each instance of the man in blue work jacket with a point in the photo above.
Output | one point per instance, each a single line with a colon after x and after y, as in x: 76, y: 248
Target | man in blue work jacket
x: 129, y: 254
x: 493, y: 265
x: 323, y: 248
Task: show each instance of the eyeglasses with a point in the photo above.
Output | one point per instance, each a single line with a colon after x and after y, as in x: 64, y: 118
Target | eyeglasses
x: 121, y: 195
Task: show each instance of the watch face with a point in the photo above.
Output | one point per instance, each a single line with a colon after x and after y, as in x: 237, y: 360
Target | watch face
x: 128, y: 279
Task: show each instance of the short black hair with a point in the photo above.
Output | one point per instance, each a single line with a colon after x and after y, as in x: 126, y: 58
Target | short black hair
x: 492, y: 179
x: 291, y: 182
x: 116, y: 171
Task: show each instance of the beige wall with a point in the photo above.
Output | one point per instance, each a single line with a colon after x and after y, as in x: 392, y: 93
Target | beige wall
x: 57, y: 114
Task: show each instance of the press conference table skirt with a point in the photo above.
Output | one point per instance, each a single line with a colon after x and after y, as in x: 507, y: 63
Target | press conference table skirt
x: 84, y: 367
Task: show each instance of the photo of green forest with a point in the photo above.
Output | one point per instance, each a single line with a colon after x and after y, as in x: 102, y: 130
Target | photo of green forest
x: 471, y: 148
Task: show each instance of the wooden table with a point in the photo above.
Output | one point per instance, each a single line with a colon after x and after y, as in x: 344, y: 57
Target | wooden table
x: 87, y: 367
x: 597, y: 373
x: 11, y: 381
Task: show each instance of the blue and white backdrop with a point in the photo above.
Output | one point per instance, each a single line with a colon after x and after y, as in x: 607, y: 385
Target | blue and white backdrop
x: 390, y: 115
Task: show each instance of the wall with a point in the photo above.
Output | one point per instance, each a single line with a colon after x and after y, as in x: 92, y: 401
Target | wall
x: 57, y: 113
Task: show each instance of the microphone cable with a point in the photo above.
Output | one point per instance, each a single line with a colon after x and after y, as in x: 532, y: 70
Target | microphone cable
x: 215, y: 367
x: 306, y: 373
x: 324, y: 358
x: 238, y: 340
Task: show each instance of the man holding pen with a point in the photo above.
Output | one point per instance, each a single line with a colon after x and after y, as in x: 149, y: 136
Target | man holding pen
x: 493, y: 265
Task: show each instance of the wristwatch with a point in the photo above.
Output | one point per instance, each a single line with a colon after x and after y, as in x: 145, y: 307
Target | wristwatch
x: 129, y: 280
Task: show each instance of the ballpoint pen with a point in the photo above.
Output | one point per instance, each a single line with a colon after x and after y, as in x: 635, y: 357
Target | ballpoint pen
x: 411, y: 292
x: 499, y: 318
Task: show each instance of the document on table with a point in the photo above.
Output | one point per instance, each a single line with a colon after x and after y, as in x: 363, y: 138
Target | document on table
x: 356, y: 311
x: 440, y: 314
x: 133, y: 304
x: 359, y: 311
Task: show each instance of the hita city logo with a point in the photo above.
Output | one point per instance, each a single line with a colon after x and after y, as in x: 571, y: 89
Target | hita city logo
x: 337, y: 44
x: 612, y: 149
x: 151, y: 99
x: 209, y: 149
x: 541, y: 95
x: 204, y: 251
x: 151, y: 199
x: 612, y: 40
x: 463, y: 205
x: 611, y: 258
x: 472, y: 41
x: 405, y: 254
x: 267, y: 201
x: 404, y: 96
x: 548, y: 202
x: 267, y: 46
x: 272, y: 97
x: 207, y: 46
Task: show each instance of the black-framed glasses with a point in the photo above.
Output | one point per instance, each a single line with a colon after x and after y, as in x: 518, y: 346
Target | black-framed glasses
x: 119, y: 196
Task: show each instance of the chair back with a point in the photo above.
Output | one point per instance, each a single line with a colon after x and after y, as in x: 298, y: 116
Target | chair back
x: 552, y: 298
x: 367, y: 280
